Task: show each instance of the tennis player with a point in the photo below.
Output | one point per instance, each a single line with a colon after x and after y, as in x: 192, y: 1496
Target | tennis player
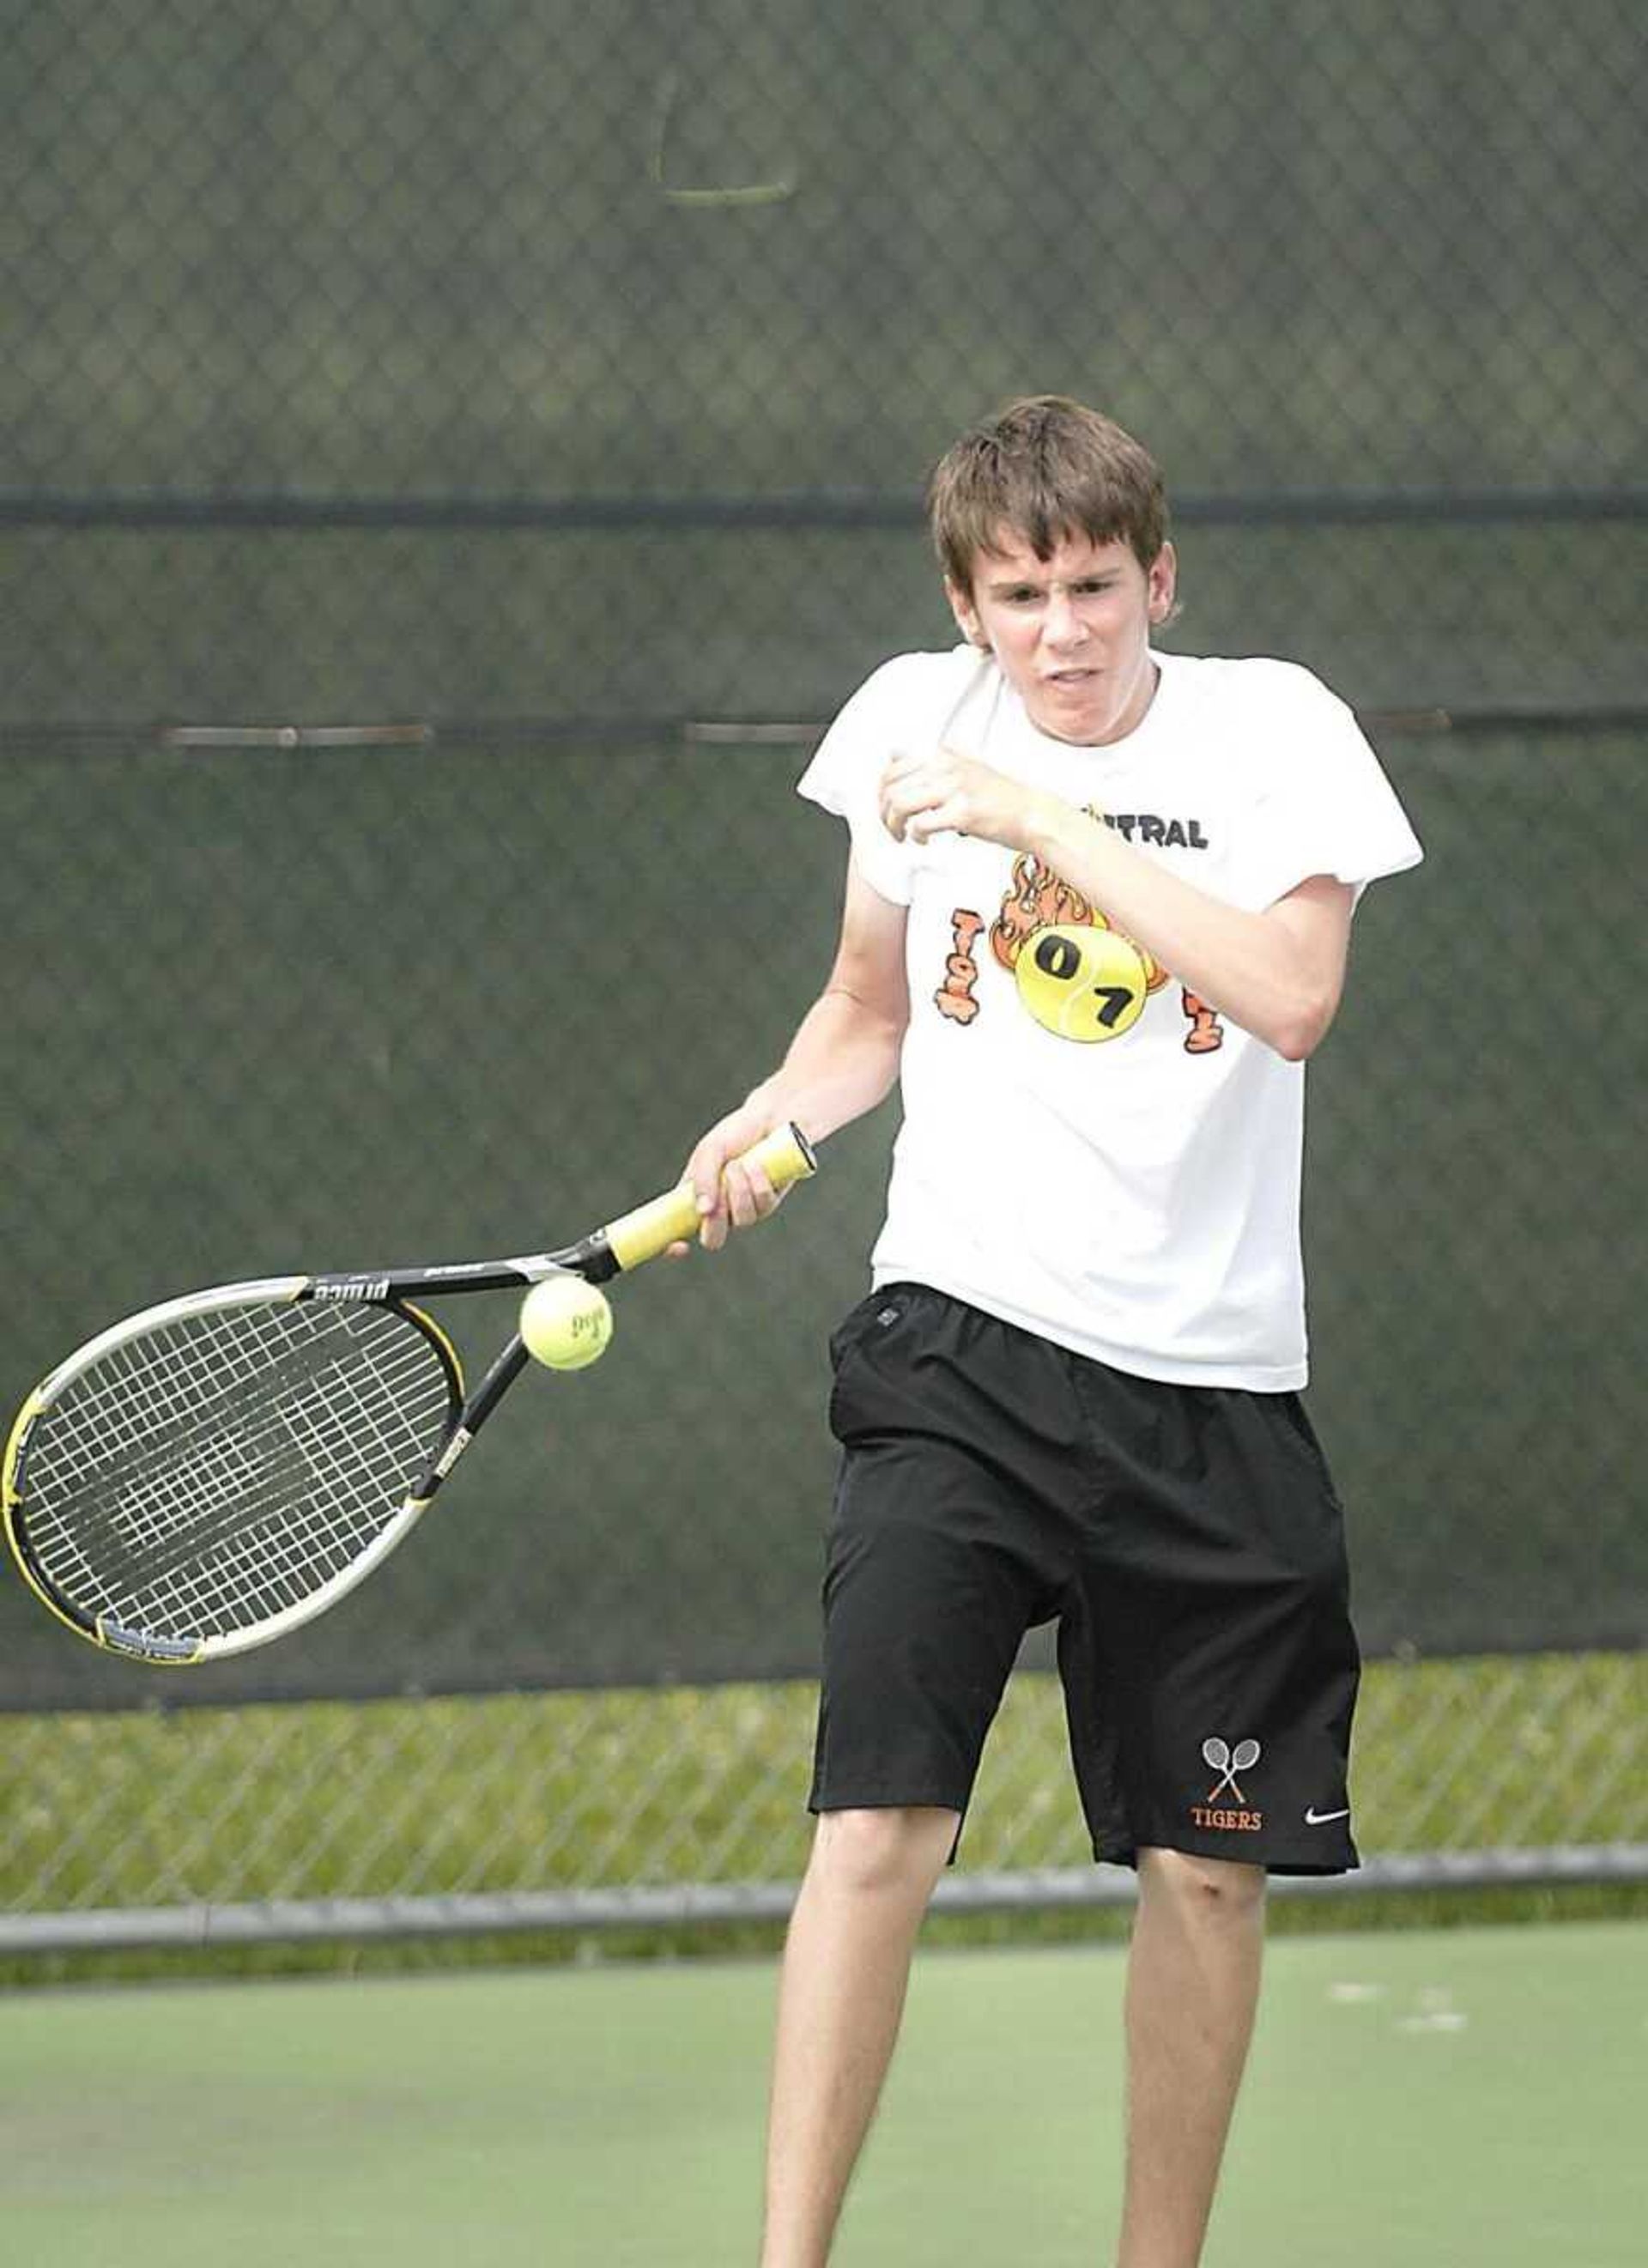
x: 1097, y: 914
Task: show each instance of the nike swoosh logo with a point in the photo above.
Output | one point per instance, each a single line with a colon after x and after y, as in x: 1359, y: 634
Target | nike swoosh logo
x: 1321, y: 1818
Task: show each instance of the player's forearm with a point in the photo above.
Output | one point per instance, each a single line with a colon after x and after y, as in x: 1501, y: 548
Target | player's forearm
x: 841, y: 1064
x: 1248, y: 966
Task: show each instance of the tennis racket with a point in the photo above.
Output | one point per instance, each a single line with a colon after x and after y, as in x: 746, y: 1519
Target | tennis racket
x: 217, y: 1470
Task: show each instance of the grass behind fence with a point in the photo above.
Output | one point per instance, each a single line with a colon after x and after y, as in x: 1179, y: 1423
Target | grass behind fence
x: 549, y: 1791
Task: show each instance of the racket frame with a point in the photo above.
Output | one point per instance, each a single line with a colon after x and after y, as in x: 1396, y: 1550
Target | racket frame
x: 104, y: 1630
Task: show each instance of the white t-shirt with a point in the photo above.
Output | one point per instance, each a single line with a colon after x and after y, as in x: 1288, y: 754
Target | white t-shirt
x: 1135, y: 1198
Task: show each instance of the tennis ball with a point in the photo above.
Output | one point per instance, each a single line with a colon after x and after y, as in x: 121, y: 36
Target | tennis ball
x: 566, y: 1322
x: 1081, y: 982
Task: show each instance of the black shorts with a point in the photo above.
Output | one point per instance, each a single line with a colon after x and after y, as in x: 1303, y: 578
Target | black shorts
x: 1185, y: 1539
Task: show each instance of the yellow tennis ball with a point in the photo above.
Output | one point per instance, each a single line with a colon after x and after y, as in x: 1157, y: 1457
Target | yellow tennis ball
x: 566, y: 1322
x: 1082, y: 981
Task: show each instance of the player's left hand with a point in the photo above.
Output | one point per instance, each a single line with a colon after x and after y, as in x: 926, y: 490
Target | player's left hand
x: 943, y: 789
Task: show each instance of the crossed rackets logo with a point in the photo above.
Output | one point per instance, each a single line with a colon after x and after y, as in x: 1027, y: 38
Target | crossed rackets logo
x: 1227, y: 1762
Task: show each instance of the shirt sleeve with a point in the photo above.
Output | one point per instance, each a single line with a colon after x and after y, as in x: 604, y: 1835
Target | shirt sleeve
x: 845, y: 774
x: 1327, y: 807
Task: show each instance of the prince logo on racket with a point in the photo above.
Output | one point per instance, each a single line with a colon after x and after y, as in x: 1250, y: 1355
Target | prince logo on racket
x: 1070, y: 1396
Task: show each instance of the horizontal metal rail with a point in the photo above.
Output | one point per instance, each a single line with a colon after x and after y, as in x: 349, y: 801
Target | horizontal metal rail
x: 287, y: 1921
x: 478, y: 736
x: 206, y: 511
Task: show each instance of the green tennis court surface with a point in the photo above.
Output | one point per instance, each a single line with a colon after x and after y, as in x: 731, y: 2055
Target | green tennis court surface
x: 1469, y: 2098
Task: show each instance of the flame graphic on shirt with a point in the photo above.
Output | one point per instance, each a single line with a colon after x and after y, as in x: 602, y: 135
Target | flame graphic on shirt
x: 1039, y: 899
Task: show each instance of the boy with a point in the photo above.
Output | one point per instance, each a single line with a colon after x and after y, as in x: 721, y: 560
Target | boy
x: 1097, y: 914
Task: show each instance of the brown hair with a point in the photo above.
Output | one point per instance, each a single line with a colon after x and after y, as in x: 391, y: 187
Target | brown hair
x: 1044, y: 467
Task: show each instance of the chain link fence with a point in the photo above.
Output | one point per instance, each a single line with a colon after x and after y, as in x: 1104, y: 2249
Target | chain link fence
x: 663, y: 1811
x: 451, y: 463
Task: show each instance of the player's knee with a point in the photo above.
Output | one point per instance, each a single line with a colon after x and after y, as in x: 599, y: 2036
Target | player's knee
x: 1217, y: 1889
x: 896, y: 1849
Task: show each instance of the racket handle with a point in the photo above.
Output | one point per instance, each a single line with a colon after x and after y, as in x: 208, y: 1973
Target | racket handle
x: 785, y: 1155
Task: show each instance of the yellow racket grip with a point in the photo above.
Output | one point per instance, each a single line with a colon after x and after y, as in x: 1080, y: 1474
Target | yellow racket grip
x: 785, y: 1156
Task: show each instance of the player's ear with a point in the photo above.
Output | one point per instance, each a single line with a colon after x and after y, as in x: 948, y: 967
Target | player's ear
x: 965, y: 615
x: 1161, y: 582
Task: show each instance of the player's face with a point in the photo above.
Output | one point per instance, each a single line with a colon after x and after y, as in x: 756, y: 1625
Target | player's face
x: 1072, y: 633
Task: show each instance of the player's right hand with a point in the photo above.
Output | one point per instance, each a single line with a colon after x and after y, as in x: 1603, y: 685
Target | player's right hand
x: 730, y: 1194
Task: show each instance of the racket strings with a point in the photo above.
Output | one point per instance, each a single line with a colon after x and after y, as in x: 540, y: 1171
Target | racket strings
x: 228, y: 1465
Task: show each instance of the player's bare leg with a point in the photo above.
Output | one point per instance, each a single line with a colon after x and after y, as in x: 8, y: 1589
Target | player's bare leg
x: 845, y: 1970
x: 1193, y: 1985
